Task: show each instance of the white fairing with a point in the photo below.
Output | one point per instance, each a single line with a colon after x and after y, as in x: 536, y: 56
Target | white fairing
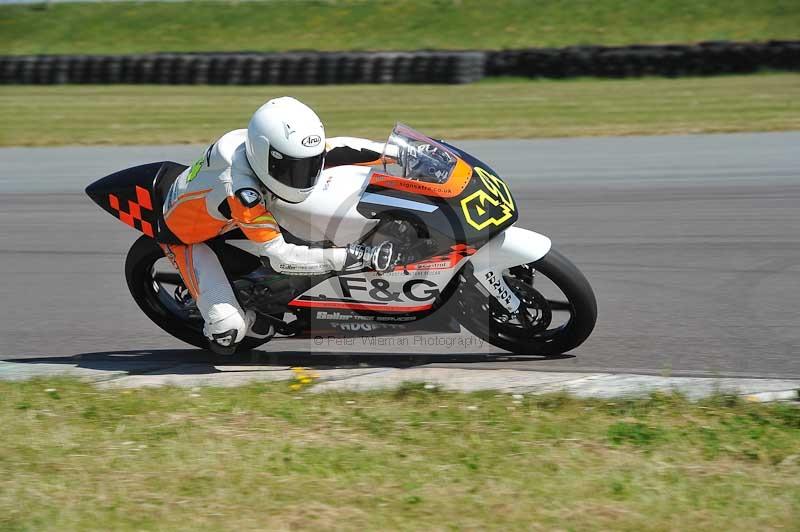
x: 396, y: 291
x: 329, y: 212
x: 512, y: 247
x: 417, y: 289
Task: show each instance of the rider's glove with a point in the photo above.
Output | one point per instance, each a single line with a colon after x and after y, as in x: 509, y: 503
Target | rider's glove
x: 380, y: 258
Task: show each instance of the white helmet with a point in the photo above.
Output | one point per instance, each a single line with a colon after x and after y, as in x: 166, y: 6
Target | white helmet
x: 286, y: 147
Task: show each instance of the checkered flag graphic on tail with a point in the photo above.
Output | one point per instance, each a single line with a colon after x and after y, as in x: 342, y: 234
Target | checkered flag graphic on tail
x: 136, y: 210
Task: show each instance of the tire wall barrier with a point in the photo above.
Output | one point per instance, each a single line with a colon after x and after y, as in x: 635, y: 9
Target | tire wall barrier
x: 703, y: 59
x: 295, y: 68
x: 323, y: 68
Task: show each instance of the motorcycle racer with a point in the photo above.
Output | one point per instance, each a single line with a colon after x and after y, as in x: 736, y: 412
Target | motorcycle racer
x: 241, y: 182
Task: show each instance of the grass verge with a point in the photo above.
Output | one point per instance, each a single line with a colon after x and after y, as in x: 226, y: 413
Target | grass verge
x: 54, y: 115
x: 75, y: 457
x: 386, y: 24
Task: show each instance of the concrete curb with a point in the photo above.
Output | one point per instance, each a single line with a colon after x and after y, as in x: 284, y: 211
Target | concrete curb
x: 598, y: 385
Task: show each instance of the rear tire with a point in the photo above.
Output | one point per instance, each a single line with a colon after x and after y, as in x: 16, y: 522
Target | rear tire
x: 138, y: 273
x: 572, y: 283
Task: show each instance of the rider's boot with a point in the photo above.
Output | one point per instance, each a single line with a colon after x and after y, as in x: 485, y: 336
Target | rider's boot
x: 225, y: 342
x: 225, y: 327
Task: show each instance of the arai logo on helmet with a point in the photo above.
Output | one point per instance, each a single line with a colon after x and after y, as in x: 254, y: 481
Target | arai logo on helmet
x: 311, y: 141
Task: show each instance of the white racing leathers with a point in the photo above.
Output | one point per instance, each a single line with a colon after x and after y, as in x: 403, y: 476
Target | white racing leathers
x: 201, y: 206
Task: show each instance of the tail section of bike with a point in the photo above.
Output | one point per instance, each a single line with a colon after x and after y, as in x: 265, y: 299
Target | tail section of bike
x: 133, y: 195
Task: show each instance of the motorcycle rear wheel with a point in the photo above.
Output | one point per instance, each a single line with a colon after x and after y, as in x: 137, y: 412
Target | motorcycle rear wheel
x: 159, y: 305
x: 483, y: 316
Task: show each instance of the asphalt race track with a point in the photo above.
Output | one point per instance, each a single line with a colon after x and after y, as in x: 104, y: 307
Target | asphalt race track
x: 692, y: 244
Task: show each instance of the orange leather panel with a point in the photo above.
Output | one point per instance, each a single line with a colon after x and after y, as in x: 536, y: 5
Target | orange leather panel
x: 190, y: 221
x: 181, y: 258
x: 256, y: 222
x: 454, y: 186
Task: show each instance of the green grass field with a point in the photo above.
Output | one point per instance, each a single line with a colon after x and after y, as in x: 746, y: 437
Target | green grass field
x: 57, y: 115
x: 74, y: 457
x: 386, y: 24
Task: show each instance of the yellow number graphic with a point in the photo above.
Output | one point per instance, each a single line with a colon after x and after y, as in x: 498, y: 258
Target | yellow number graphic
x: 492, y: 205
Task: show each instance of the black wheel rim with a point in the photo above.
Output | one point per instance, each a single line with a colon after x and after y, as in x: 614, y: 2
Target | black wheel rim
x: 534, y: 319
x: 166, y: 292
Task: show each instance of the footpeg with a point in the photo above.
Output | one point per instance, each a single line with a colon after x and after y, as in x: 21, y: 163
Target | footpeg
x: 261, y: 328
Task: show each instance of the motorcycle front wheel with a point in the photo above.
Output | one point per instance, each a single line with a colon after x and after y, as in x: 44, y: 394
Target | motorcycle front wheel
x: 557, y: 310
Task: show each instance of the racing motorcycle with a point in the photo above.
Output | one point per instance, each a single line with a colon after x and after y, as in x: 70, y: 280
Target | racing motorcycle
x: 450, y: 218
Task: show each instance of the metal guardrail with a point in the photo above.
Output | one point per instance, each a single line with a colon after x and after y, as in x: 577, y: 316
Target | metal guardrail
x: 322, y: 68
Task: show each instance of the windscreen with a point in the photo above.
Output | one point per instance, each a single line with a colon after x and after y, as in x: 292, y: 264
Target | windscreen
x: 412, y: 155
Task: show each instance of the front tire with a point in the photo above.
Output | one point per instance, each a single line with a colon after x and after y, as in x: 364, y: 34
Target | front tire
x: 159, y: 305
x: 531, y: 335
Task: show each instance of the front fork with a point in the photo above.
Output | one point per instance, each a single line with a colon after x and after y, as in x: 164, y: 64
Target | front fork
x: 495, y: 284
x: 513, y: 247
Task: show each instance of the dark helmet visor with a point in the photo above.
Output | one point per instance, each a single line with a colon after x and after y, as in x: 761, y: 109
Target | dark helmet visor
x: 300, y: 173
